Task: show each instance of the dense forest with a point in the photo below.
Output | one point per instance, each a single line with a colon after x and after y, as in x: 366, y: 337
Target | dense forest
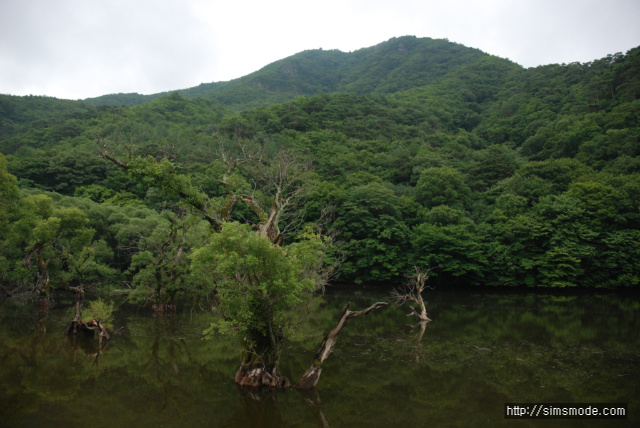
x: 414, y: 152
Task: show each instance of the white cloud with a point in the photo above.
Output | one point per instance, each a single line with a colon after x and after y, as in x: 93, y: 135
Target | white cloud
x: 84, y: 48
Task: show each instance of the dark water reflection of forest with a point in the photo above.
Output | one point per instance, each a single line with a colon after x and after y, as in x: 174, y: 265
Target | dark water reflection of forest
x: 481, y: 351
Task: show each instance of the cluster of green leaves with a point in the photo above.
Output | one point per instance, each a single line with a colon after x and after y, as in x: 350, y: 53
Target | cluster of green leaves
x: 99, y: 310
x: 159, y: 267
x: 257, y: 283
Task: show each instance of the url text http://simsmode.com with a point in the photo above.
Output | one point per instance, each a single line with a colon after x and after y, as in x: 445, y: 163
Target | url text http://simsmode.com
x: 565, y: 410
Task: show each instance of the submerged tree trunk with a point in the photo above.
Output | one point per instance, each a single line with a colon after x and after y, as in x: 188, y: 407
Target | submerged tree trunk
x: 261, y: 375
x: 261, y: 361
x: 311, y: 377
x: 423, y: 310
x: 76, y: 325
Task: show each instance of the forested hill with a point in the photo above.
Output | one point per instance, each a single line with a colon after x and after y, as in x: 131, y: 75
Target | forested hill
x: 397, y: 64
x: 429, y: 153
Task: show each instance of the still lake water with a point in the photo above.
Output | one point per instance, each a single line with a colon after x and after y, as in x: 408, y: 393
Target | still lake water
x: 482, y: 350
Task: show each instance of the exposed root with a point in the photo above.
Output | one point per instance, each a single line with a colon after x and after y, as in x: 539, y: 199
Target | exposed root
x: 261, y: 376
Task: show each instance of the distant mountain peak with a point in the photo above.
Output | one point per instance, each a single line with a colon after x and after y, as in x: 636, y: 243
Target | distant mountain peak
x: 398, y: 64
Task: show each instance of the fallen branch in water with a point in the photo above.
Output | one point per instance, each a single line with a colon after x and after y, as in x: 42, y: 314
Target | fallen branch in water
x: 310, y: 378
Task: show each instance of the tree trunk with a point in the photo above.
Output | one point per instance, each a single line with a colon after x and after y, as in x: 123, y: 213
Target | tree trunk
x: 258, y: 371
x: 40, y: 273
x: 260, y: 363
x: 311, y: 377
x: 260, y: 375
x: 76, y: 324
x: 423, y: 314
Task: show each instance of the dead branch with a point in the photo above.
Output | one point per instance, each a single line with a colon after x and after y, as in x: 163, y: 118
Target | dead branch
x: 106, y: 155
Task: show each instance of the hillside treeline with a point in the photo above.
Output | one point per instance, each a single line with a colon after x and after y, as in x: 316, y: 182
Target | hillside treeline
x: 485, y: 172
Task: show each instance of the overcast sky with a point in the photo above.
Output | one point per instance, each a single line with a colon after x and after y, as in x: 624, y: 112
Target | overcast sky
x: 77, y: 49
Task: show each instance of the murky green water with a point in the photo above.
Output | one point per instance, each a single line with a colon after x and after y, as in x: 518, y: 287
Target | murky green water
x: 481, y: 351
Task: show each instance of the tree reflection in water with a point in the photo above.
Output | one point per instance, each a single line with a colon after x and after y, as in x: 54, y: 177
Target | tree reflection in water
x: 260, y: 408
x: 482, y: 349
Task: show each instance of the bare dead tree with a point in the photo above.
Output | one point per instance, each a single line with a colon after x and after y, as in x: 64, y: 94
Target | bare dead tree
x: 279, y: 184
x: 412, y: 292
x: 285, y: 182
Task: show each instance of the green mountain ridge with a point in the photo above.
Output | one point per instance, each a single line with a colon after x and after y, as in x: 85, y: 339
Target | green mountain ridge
x: 397, y: 64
